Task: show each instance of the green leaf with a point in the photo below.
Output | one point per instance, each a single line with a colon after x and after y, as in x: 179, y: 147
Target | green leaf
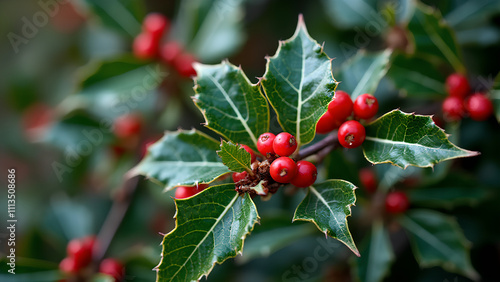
x: 447, y: 197
x: 299, y: 84
x: 231, y: 105
x: 408, y: 139
x: 417, y: 77
x: 363, y: 72
x: 432, y: 36
x: 473, y: 14
x: 182, y: 158
x: 328, y: 205
x: 122, y: 15
x: 211, y: 29
x: 376, y: 256
x: 352, y: 13
x: 495, y: 96
x: 236, y: 158
x: 209, y: 228
x: 437, y: 240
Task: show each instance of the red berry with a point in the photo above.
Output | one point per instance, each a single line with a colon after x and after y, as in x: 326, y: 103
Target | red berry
x: 396, y: 202
x: 183, y: 192
x: 284, y: 144
x: 237, y: 176
x: 265, y: 144
x: 36, y: 119
x: 453, y: 108
x: 306, y: 174
x: 368, y: 179
x: 113, y: 268
x: 145, y: 46
x: 479, y: 107
x: 365, y: 106
x: 184, y: 65
x: 283, y: 170
x: 155, y: 24
x: 326, y: 123
x: 128, y: 125
x: 252, y: 154
x: 69, y: 265
x: 457, y: 85
x: 80, y: 251
x: 170, y: 51
x: 351, y: 134
x: 341, y: 106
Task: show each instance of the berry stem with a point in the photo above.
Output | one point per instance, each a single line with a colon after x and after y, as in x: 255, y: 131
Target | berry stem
x: 329, y: 140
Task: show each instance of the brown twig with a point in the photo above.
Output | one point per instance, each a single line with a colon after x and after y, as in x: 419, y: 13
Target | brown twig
x: 329, y: 141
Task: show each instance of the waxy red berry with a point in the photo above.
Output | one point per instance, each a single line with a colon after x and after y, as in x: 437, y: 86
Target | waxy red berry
x: 351, y: 134
x: 368, y: 179
x: 265, y: 144
x: 306, y: 174
x: 396, y: 202
x: 479, y: 107
x: 69, y: 265
x: 284, y: 144
x: 155, y: 24
x: 457, y: 85
x: 128, y: 125
x: 341, y: 106
x: 249, y: 150
x: 183, y: 192
x: 81, y: 251
x: 283, y: 170
x: 184, y: 65
x: 145, y: 46
x: 453, y: 108
x: 113, y: 268
x: 365, y: 106
x: 170, y: 51
x: 326, y: 123
x: 237, y: 176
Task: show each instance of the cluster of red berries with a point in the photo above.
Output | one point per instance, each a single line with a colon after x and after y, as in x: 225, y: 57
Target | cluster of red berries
x: 283, y: 169
x: 79, y: 257
x: 183, y: 192
x: 149, y: 45
x: 461, y: 102
x: 351, y: 133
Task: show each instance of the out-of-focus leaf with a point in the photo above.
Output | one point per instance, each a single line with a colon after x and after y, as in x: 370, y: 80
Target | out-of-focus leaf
x: 408, y: 139
x: 210, y: 228
x: 417, y: 77
x: 362, y: 73
x: 182, y: 158
x: 437, y: 240
x: 495, y: 97
x: 376, y: 256
x: 353, y: 13
x: 447, y: 197
x: 299, y: 84
x: 328, y: 205
x: 472, y: 14
x: 231, y: 105
x: 122, y: 15
x: 433, y: 37
x: 236, y: 158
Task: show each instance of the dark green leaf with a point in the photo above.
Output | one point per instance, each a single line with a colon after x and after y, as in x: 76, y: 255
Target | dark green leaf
x: 437, y: 240
x: 417, y: 77
x: 408, y: 139
x: 353, y: 13
x: 376, y: 256
x: 210, y: 228
x: 232, y: 106
x: 328, y: 205
x: 122, y: 15
x: 299, y: 84
x: 182, y: 158
x: 495, y: 96
x: 473, y: 14
x: 363, y: 72
x: 234, y: 157
x: 432, y: 36
x: 447, y: 197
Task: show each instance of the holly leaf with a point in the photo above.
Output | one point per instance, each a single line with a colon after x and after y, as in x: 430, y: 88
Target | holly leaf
x: 408, y: 139
x: 417, y: 77
x: 299, y: 84
x: 209, y: 228
x: 376, y: 256
x: 437, y: 240
x: 234, y: 157
x: 181, y: 158
x: 123, y: 16
x: 328, y: 205
x: 363, y: 72
x: 433, y: 37
x: 495, y: 96
x: 231, y: 105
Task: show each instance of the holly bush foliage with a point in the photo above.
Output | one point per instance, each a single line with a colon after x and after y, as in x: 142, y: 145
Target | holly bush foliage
x: 66, y: 84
